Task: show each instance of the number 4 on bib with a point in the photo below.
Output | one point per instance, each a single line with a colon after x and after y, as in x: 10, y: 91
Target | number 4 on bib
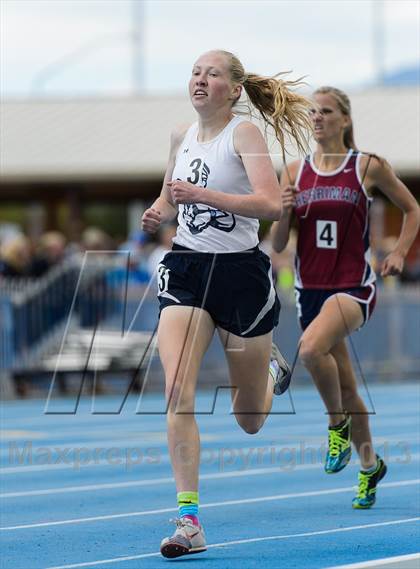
x: 326, y: 234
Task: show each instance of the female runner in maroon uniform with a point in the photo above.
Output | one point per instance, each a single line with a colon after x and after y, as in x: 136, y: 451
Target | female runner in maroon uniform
x: 329, y: 193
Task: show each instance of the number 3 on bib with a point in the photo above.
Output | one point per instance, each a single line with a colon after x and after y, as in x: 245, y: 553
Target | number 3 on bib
x: 163, y: 278
x: 326, y: 234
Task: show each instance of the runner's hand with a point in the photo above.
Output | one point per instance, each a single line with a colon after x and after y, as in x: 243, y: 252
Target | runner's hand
x: 288, y: 199
x: 151, y: 220
x: 184, y: 192
x: 392, y: 265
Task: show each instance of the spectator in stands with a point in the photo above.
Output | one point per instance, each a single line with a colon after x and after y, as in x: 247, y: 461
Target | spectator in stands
x: 15, y: 257
x: 9, y: 231
x: 95, y: 239
x: 51, y: 251
x: 137, y: 245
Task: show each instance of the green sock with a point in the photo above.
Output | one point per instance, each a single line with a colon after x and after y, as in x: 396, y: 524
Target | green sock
x: 188, y: 504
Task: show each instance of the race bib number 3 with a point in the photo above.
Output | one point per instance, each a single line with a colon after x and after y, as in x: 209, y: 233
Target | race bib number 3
x: 326, y: 234
x: 162, y: 278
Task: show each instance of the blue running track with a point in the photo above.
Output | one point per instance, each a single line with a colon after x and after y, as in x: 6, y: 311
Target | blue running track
x: 96, y: 490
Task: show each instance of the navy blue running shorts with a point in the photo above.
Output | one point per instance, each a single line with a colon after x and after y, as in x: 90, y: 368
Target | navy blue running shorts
x: 309, y: 301
x: 236, y: 289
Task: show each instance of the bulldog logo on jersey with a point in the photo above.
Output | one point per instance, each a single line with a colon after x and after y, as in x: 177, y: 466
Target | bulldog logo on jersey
x: 199, y: 217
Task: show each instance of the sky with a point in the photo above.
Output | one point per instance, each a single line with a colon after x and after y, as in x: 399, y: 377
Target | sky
x: 55, y: 48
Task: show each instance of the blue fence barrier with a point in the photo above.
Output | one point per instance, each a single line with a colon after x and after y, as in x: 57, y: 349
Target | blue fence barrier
x: 34, y: 311
x: 97, y: 290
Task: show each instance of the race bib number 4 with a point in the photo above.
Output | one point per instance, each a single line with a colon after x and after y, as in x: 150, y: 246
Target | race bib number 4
x: 326, y: 234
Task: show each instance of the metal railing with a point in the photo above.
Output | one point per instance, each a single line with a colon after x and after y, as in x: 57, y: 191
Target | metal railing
x: 35, y: 313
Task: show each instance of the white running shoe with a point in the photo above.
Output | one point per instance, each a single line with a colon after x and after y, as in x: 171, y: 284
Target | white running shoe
x: 279, y: 371
x: 187, y: 539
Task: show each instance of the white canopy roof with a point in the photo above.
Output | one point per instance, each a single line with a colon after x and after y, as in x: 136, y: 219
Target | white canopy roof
x: 129, y: 137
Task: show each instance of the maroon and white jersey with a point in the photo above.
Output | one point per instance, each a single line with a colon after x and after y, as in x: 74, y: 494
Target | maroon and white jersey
x: 332, y: 210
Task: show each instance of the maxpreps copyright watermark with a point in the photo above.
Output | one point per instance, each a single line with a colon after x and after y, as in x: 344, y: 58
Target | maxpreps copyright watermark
x: 286, y: 458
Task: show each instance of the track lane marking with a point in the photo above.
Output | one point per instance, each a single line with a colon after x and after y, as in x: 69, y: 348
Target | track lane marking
x: 209, y: 505
x: 374, y: 562
x: 168, y: 480
x: 243, y: 542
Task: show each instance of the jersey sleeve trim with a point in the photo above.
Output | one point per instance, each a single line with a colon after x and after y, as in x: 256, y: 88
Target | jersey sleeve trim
x: 235, y: 122
x: 299, y: 173
x: 186, y: 139
x: 359, y: 177
x: 332, y: 172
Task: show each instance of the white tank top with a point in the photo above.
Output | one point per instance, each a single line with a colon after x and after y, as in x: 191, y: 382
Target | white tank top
x: 215, y: 165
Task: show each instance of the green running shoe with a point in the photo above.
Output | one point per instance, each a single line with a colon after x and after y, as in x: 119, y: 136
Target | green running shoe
x: 366, y: 496
x: 339, y: 447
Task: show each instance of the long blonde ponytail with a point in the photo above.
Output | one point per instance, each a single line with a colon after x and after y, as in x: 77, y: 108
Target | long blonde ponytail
x: 279, y: 106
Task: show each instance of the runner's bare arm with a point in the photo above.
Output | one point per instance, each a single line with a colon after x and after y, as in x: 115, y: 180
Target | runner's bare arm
x: 163, y: 208
x: 381, y: 176
x: 280, y: 229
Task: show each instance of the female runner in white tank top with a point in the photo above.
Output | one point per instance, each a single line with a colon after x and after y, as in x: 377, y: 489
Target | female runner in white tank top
x: 219, y: 181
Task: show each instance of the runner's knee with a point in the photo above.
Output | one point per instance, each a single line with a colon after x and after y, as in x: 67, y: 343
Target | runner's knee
x: 309, y: 351
x: 251, y: 424
x: 179, y: 398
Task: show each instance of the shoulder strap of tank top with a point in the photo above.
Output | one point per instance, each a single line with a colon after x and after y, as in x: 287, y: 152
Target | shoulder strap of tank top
x: 193, y: 129
x: 188, y: 136
x: 232, y: 124
x: 367, y: 167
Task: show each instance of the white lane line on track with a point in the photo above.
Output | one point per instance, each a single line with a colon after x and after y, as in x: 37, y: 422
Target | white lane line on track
x: 286, y: 469
x: 101, y: 420
x: 64, y: 434
x: 158, y: 481
x: 56, y: 433
x: 244, y: 542
x: 379, y: 563
x: 209, y: 505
